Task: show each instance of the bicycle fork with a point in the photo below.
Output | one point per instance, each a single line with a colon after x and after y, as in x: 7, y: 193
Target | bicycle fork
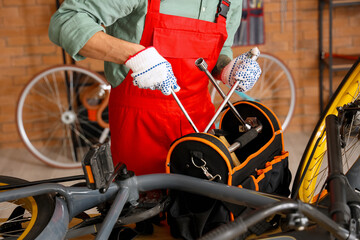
x: 347, y: 215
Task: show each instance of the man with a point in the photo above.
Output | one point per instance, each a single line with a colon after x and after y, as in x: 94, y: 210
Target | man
x: 153, y: 45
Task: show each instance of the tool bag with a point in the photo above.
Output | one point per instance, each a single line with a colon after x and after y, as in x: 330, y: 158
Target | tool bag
x: 261, y: 165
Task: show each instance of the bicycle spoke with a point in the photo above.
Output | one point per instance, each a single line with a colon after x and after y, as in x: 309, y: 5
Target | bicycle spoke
x: 52, y: 121
x: 57, y: 95
x: 344, y: 97
x: 70, y: 146
x: 82, y: 136
x: 45, y: 111
x: 46, y: 98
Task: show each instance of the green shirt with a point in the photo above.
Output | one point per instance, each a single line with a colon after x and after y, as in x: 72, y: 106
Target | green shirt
x: 76, y: 21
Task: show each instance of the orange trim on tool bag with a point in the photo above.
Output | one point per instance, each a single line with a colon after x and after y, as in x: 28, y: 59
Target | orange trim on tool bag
x: 254, y: 154
x: 280, y: 126
x: 278, y: 122
x: 268, y: 167
x: 266, y: 115
x: 282, y: 137
x: 257, y: 107
x: 255, y: 183
x: 279, y: 131
x: 260, y: 172
x: 275, y: 133
x: 193, y: 138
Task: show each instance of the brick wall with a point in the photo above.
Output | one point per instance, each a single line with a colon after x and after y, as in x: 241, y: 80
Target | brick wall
x: 290, y: 35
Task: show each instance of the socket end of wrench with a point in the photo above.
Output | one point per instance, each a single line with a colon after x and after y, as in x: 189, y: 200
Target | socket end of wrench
x: 201, y: 64
x: 255, y: 53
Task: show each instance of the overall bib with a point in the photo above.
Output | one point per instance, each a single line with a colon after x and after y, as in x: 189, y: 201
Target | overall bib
x: 143, y: 122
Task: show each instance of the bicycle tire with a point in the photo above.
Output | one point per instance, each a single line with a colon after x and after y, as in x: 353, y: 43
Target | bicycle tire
x: 279, y: 96
x: 53, y: 124
x: 311, y: 174
x: 40, y: 208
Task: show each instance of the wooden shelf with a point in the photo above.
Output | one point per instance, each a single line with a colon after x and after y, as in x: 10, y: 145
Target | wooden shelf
x: 340, y: 64
x: 344, y: 2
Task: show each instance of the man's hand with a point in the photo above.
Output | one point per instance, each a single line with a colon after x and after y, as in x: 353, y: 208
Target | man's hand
x: 244, y: 68
x: 152, y: 71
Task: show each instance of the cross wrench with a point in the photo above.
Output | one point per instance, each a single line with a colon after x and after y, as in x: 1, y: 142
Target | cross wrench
x: 226, y: 100
x: 202, y: 65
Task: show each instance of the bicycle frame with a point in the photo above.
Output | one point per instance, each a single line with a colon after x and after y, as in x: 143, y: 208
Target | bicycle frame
x: 344, y: 201
x: 71, y: 201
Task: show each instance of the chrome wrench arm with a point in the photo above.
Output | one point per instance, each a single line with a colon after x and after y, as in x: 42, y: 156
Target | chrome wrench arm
x: 202, y: 65
x: 184, y: 111
x: 226, y: 100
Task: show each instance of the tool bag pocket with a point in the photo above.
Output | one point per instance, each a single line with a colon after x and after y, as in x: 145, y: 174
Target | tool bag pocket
x: 274, y: 178
x: 261, y: 165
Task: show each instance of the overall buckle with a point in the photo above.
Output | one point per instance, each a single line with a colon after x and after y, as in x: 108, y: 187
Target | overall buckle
x: 223, y: 8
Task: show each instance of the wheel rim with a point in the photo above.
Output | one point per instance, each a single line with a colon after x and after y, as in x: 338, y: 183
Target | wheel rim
x: 27, y: 219
x: 52, y: 122
x: 280, y: 94
x: 315, y: 155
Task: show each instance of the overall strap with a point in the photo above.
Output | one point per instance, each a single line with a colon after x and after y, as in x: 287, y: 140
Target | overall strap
x: 221, y: 15
x: 222, y: 10
x: 154, y: 6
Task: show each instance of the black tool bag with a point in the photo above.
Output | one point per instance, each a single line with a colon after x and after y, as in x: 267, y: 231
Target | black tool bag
x: 261, y: 165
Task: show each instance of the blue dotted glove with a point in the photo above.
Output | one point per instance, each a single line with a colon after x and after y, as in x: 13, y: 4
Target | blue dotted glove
x: 244, y: 68
x: 152, y: 71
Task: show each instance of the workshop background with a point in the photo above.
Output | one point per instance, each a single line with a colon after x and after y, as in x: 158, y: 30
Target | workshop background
x: 291, y: 34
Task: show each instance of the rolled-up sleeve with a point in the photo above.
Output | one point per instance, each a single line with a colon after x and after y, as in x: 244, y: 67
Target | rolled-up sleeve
x: 76, y: 21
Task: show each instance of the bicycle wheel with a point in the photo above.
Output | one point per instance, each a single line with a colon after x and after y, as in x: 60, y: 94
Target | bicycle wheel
x: 53, y: 122
x: 312, y: 172
x: 24, y: 218
x: 275, y: 89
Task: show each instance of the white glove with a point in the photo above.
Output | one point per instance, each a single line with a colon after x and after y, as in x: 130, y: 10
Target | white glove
x: 152, y: 71
x: 244, y: 68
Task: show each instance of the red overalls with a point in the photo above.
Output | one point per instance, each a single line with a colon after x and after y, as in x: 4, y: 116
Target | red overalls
x: 143, y: 122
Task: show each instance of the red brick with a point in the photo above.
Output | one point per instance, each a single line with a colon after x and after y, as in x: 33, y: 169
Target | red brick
x: 6, y: 72
x: 42, y: 50
x: 18, y: 2
x: 22, y: 41
x: 34, y: 10
x: 9, y: 12
x: 9, y: 127
x: 26, y: 61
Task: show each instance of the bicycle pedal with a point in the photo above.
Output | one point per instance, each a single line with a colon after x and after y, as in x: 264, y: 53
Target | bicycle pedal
x: 98, y: 166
